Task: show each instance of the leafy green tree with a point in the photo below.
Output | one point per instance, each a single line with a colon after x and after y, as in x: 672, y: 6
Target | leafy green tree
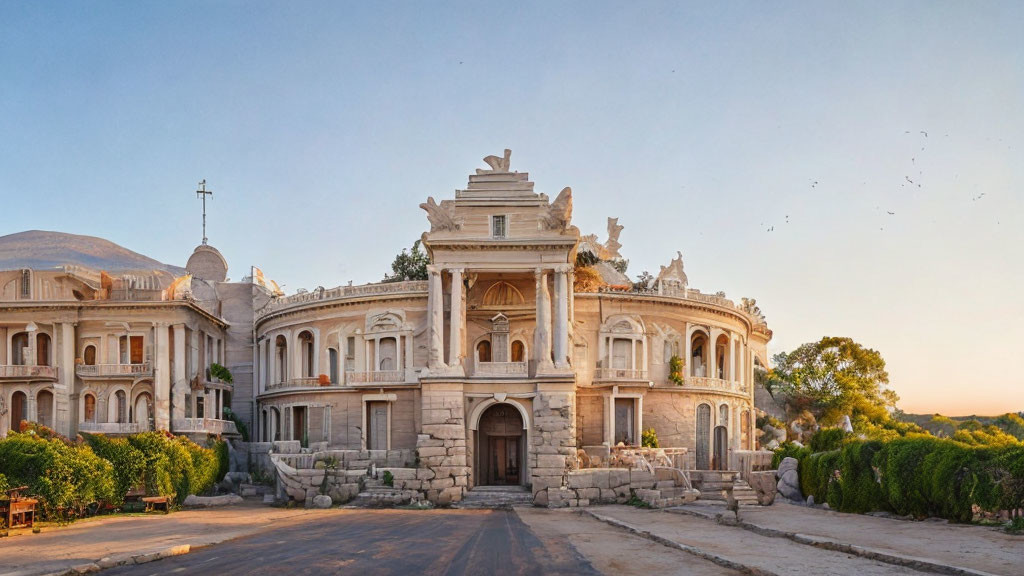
x: 834, y: 377
x: 409, y: 265
x: 1012, y: 424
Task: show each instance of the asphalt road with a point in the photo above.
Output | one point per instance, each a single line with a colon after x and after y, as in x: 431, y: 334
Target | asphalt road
x: 436, y: 542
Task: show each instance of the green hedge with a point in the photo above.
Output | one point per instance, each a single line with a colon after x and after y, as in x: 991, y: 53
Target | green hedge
x: 66, y: 476
x: 916, y: 476
x: 70, y: 476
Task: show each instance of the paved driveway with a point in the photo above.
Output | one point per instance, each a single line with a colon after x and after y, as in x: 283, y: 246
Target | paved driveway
x: 384, y: 542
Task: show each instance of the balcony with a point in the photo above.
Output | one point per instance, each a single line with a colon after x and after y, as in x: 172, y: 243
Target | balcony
x: 21, y: 372
x: 717, y: 384
x: 113, y: 427
x: 375, y: 377
x: 500, y: 369
x: 204, y: 426
x: 125, y: 371
x: 621, y: 374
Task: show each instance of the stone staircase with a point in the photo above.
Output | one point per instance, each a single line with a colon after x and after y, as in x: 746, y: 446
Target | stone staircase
x: 376, y: 495
x: 496, y: 497
x: 712, y: 483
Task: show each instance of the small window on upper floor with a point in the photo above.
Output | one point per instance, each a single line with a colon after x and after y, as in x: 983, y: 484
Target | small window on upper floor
x: 498, y: 226
x: 26, y: 284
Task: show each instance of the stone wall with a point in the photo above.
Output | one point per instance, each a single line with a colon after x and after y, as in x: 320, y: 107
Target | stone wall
x: 658, y: 489
x: 442, y: 444
x: 553, y: 442
x: 302, y: 485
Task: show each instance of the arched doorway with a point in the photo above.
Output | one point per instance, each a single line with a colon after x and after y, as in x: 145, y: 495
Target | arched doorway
x: 501, y: 447
x: 44, y: 408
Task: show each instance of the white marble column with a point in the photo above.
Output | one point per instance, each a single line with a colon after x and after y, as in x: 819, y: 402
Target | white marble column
x: 435, y: 328
x: 180, y: 384
x: 457, y: 315
x: 162, y: 380
x: 542, y: 333
x: 561, y: 324
x: 64, y: 390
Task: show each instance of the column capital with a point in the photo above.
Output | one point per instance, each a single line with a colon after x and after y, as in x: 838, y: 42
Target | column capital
x: 563, y: 268
x: 433, y: 269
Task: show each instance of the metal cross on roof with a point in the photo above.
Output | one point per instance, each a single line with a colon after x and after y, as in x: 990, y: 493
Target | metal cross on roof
x: 203, y: 193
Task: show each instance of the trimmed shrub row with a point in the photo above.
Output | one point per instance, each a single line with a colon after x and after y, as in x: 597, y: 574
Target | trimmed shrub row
x: 915, y: 476
x: 72, y: 477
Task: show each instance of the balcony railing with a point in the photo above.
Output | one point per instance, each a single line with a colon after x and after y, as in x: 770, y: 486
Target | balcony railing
x: 114, y: 370
x: 501, y: 368
x: 376, y: 377
x: 12, y: 371
x: 621, y: 374
x: 341, y: 292
x: 207, y: 425
x: 313, y: 382
x: 113, y: 427
x: 705, y: 383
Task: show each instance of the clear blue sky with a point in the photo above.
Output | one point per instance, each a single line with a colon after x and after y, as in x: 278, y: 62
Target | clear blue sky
x: 768, y: 141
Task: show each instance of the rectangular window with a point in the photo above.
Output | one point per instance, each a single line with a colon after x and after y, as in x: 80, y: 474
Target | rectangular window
x: 26, y: 284
x: 350, y: 353
x: 498, y: 228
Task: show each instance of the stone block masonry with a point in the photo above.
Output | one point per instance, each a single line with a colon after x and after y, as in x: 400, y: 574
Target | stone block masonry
x: 553, y: 441
x: 443, y: 473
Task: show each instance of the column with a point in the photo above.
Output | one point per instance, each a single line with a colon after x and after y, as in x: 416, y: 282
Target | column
x: 162, y: 380
x: 542, y: 333
x: 271, y: 361
x: 687, y: 352
x: 64, y: 390
x: 435, y: 303
x: 180, y: 384
x: 713, y: 356
x: 561, y: 318
x: 455, y: 332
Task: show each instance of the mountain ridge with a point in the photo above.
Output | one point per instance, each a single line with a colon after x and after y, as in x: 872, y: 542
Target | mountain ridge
x: 44, y: 249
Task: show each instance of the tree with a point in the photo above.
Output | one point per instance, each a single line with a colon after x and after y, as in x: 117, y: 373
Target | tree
x: 832, y: 378
x: 409, y: 265
x: 643, y: 281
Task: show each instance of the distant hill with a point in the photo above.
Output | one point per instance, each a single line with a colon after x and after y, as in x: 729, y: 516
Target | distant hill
x: 40, y: 249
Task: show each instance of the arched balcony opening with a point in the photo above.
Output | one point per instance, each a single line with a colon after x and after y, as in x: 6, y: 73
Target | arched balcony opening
x: 42, y: 349
x: 89, y: 408
x: 623, y: 349
x: 518, y: 351
x: 700, y: 355
x: 89, y: 355
x: 19, y: 350
x: 280, y: 359
x: 722, y: 356
x: 307, y: 358
x: 117, y: 410
x: 483, y: 351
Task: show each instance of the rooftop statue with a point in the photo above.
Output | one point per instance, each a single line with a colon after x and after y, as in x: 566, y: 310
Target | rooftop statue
x: 612, y: 245
x: 498, y: 165
x: 673, y: 274
x: 441, y: 216
x: 559, y: 212
x: 749, y: 306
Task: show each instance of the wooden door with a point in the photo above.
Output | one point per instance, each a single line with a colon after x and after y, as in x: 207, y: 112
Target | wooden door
x: 377, y: 438
x: 721, y: 447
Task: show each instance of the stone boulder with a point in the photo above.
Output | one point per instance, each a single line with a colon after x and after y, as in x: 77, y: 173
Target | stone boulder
x: 789, y: 480
x: 764, y: 483
x: 322, y: 501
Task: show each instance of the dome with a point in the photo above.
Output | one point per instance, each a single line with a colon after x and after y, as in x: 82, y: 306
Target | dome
x: 207, y: 263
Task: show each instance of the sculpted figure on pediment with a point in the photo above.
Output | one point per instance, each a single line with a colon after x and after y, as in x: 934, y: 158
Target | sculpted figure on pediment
x: 559, y: 213
x: 498, y: 165
x: 749, y: 306
x: 441, y: 216
x: 673, y: 274
x: 612, y: 245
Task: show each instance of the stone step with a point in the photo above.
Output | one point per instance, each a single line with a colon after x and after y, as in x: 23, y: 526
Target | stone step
x: 495, y: 497
x: 268, y: 499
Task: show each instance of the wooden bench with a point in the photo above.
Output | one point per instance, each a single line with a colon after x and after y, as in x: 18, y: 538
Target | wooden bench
x: 158, y: 503
x: 17, y: 511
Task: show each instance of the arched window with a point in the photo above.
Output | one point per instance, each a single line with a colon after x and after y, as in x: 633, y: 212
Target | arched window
x: 26, y: 284
x: 43, y: 349
x: 722, y: 356
x: 306, y: 348
x: 275, y: 423
x: 518, y: 351
x: 483, y: 351
x: 143, y: 407
x: 89, y: 356
x: 44, y: 408
x: 723, y: 415
x: 89, y: 408
x: 332, y: 361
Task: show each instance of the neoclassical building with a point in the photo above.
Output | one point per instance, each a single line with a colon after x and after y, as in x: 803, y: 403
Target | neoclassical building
x: 524, y: 348
x: 502, y: 365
